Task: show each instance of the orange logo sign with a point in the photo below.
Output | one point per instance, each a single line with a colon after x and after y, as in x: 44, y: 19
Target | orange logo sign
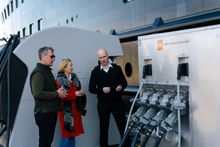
x: 160, y: 45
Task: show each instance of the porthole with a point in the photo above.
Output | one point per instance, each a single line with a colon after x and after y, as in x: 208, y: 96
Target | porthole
x: 128, y: 69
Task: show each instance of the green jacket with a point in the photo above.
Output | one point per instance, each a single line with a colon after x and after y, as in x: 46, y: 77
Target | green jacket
x: 43, y: 88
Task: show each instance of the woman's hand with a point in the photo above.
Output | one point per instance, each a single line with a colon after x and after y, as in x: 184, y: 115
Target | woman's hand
x: 79, y: 93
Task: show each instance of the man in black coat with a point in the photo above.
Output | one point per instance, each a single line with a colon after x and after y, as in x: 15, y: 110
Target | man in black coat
x: 108, y: 81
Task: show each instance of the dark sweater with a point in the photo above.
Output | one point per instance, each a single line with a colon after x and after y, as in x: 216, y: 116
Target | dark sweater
x: 99, y: 79
x: 43, y: 88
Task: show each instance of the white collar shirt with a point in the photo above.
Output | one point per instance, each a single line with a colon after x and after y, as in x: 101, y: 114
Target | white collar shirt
x: 106, y: 68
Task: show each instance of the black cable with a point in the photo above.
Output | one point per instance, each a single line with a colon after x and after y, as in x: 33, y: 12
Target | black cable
x: 162, y: 131
x: 4, y: 56
x: 150, y: 129
x: 3, y: 39
x: 134, y: 119
x: 5, y: 65
x: 11, y: 49
x: 8, y: 96
x: 3, y: 127
x: 156, y: 120
x: 137, y: 134
x: 124, y: 138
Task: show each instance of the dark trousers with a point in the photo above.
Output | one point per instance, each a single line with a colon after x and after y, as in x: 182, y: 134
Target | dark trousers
x: 104, y: 111
x: 46, y: 123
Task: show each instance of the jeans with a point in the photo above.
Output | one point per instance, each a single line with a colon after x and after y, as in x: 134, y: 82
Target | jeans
x: 67, y: 142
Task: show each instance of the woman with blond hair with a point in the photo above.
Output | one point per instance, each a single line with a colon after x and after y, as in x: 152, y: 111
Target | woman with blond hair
x: 69, y: 117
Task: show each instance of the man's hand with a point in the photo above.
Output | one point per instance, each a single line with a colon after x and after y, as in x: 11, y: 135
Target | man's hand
x: 62, y: 92
x: 118, y: 88
x: 106, y: 89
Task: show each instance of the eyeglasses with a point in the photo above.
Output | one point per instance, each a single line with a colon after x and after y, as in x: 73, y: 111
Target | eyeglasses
x: 52, y: 56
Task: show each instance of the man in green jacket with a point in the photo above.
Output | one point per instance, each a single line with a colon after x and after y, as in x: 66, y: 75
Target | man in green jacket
x: 46, y: 96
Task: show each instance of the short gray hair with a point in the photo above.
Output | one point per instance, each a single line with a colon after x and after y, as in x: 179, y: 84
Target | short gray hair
x: 44, y: 51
